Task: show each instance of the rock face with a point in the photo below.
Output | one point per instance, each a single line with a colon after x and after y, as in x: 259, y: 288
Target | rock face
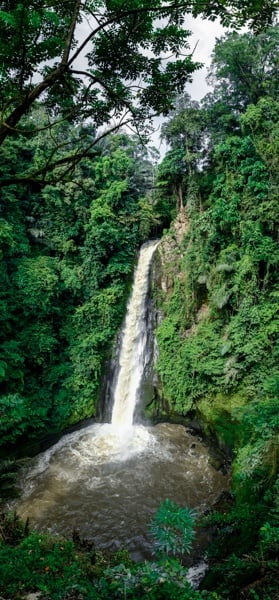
x: 167, y: 259
x: 165, y: 270
x: 181, y: 225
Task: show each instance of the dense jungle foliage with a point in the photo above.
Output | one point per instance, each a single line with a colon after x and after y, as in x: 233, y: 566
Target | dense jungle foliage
x: 75, y: 206
x: 67, y: 256
x: 218, y: 342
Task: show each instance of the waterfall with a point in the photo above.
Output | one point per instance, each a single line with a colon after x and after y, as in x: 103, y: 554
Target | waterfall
x: 107, y: 479
x: 132, y: 358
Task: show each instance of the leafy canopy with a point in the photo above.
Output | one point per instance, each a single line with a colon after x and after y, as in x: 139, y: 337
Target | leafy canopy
x: 111, y: 62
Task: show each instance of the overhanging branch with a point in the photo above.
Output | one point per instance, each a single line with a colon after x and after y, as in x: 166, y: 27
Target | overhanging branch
x: 40, y: 176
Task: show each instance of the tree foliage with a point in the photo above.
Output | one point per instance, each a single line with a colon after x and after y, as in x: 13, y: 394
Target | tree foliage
x: 113, y: 72
x: 226, y: 291
x: 245, y: 68
x: 218, y: 341
x: 68, y: 253
x: 99, y: 62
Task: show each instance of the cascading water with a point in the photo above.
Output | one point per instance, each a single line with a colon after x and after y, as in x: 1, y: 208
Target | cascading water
x: 107, y: 480
x: 133, y: 357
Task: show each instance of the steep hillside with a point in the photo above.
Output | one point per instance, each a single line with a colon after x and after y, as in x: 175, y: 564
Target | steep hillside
x: 218, y: 340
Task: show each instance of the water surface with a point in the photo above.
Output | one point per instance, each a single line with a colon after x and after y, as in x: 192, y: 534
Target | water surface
x: 108, y: 483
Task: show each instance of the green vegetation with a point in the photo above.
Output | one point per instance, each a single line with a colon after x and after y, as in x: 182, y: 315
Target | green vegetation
x: 99, y: 61
x: 76, y: 203
x: 173, y: 529
x: 218, y: 342
x: 68, y: 253
x: 59, y: 568
x: 109, y: 71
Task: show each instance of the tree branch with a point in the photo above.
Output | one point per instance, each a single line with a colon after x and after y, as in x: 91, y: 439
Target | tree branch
x: 73, y: 159
x: 66, y: 62
x: 70, y: 34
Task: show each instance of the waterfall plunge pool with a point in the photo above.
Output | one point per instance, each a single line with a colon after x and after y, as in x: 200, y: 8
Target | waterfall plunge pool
x: 108, y: 483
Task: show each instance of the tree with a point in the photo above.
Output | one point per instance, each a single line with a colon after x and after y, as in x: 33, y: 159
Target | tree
x: 245, y: 68
x: 115, y: 49
x: 226, y: 289
x: 125, y: 79
x: 185, y: 133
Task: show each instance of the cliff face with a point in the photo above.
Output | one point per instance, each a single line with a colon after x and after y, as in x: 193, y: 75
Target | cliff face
x: 169, y: 253
x: 167, y: 274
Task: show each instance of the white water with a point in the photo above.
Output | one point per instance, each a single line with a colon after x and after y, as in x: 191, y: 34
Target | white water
x: 132, y: 358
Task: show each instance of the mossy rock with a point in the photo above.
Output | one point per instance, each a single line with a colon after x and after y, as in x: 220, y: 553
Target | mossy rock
x: 217, y: 416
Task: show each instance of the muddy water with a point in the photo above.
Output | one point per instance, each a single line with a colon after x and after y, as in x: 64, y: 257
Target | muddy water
x: 108, y: 483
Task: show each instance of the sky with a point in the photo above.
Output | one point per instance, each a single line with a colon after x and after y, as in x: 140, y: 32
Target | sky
x: 204, y: 34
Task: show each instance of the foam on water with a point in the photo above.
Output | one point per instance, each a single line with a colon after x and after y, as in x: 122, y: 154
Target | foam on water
x: 95, y: 445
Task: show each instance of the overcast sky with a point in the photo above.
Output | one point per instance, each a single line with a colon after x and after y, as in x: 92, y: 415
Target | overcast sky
x: 204, y: 35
